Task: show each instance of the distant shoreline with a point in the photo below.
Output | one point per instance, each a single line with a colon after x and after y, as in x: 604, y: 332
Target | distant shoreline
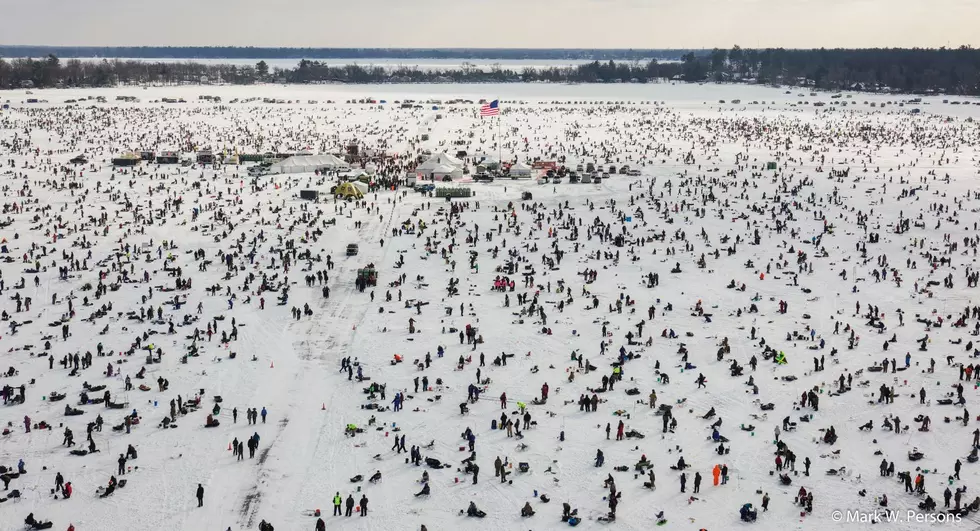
x: 915, y: 71
x: 192, y: 53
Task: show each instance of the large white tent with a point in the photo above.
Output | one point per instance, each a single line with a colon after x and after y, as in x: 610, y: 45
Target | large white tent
x: 307, y: 163
x: 520, y: 169
x: 442, y: 171
x: 437, y: 160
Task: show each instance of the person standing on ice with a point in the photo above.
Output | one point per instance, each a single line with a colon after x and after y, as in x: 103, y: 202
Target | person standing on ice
x: 264, y: 413
x: 200, y: 495
x: 350, y: 505
x: 337, y: 502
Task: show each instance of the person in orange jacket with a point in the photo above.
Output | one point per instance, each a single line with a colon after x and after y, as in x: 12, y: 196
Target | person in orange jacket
x: 716, y: 472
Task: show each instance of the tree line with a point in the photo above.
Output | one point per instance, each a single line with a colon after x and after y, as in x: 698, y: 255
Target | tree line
x: 248, y: 52
x: 951, y: 71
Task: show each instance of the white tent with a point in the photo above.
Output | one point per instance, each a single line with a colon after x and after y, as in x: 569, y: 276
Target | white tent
x: 520, y: 170
x: 307, y: 163
x: 360, y: 186
x: 440, y: 159
x: 442, y: 171
x: 352, y: 174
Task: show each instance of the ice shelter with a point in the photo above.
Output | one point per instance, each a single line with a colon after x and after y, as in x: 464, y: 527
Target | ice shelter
x: 307, y: 163
x: 348, y: 191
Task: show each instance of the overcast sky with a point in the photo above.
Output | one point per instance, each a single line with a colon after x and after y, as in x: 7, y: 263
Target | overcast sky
x: 493, y: 23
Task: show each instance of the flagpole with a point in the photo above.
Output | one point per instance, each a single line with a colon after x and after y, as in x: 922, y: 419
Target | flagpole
x: 500, y: 161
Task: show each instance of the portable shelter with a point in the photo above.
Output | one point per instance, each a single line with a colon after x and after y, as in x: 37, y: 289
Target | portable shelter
x: 348, y: 191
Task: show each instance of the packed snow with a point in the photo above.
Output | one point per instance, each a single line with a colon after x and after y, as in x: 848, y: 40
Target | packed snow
x: 779, y: 274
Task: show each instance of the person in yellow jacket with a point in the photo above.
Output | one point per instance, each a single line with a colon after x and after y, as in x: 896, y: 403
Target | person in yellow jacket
x: 337, y: 502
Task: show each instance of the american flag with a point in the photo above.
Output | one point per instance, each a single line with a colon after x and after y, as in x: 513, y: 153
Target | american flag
x: 490, y: 109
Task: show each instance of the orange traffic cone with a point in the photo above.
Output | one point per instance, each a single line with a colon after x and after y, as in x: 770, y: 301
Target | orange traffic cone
x: 229, y: 447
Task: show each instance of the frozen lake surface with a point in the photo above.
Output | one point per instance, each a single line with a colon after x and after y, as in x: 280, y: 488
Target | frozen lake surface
x: 858, y: 242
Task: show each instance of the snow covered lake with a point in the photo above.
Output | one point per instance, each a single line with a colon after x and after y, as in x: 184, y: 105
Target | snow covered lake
x: 857, y: 245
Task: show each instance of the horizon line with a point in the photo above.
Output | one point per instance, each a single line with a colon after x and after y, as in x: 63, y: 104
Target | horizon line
x: 457, y: 48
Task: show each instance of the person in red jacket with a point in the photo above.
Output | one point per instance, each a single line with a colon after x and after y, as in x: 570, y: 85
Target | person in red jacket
x: 67, y: 490
x: 71, y: 527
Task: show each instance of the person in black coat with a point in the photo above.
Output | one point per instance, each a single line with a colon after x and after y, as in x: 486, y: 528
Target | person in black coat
x: 200, y: 495
x: 364, y: 504
x: 350, y: 505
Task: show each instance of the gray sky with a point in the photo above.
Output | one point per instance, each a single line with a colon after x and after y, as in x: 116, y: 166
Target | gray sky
x: 499, y: 23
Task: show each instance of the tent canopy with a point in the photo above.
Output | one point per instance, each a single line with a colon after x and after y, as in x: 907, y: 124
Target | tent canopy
x: 519, y: 168
x: 347, y: 191
x: 307, y: 163
x: 442, y: 171
x: 439, y: 160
